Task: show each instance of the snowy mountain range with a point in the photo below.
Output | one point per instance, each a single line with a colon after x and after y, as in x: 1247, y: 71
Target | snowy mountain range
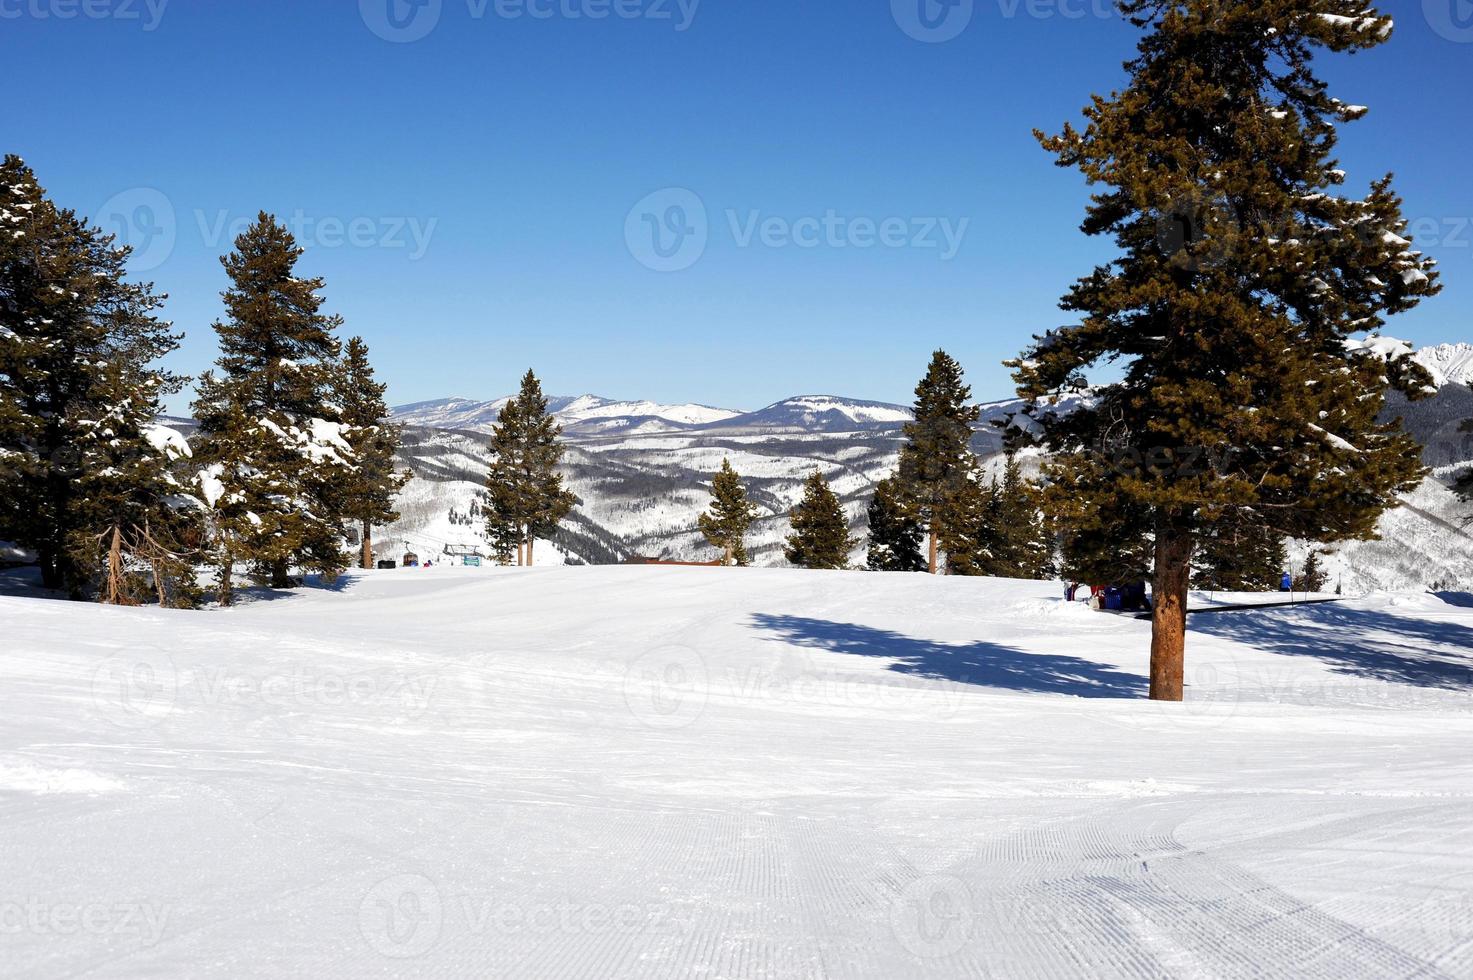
x: 641, y: 470
x: 581, y: 413
x: 1448, y: 363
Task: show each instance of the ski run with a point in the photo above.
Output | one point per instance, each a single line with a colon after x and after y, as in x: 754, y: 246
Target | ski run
x: 597, y: 772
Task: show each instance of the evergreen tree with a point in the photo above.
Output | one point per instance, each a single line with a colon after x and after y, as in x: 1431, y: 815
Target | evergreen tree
x: 725, y: 524
x: 936, y: 460
x: 80, y: 463
x: 820, y: 537
x: 1242, y: 275
x: 894, y: 533
x: 967, y: 523
x: 1239, y: 558
x: 525, y: 495
x: 276, y: 456
x: 1313, y: 578
x: 1025, y: 546
x: 371, y: 489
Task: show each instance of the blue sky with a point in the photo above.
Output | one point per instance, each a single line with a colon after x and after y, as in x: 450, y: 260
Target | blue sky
x: 480, y: 198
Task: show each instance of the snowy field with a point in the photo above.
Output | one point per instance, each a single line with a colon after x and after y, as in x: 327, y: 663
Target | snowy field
x: 617, y: 772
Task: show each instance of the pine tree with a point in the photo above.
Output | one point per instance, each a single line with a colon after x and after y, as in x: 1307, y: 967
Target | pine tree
x: 967, y: 523
x: 276, y: 456
x: 1239, y: 558
x: 894, y: 533
x: 1242, y: 276
x: 820, y: 537
x: 80, y: 464
x: 1313, y: 578
x: 725, y: 524
x: 372, y: 487
x: 525, y: 495
x: 1025, y: 546
x: 936, y: 460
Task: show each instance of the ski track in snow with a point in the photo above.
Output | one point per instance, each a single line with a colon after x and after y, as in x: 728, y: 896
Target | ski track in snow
x: 657, y: 772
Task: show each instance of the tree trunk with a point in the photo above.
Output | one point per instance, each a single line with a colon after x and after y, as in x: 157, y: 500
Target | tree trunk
x: 227, y: 567
x: 50, y: 567
x: 113, y: 595
x: 931, y: 547
x: 280, y: 574
x: 728, y: 557
x: 1169, y: 612
x: 531, y: 540
x: 366, y: 558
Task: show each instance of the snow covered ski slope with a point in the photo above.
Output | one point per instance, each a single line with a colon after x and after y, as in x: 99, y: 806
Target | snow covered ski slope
x: 687, y: 772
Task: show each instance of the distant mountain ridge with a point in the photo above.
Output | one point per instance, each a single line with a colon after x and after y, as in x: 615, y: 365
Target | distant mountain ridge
x: 583, y: 412
x: 593, y: 415
x: 641, y: 470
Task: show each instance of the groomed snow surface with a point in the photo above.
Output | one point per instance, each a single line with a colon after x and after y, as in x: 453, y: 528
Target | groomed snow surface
x: 690, y: 772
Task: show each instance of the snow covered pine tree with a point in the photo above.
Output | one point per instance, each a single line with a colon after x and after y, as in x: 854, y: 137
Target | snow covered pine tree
x: 1243, y: 277
x: 276, y: 454
x: 83, y: 465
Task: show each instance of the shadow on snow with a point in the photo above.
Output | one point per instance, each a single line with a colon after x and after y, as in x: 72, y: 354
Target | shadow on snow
x: 1358, y: 642
x: 249, y: 594
x: 980, y: 663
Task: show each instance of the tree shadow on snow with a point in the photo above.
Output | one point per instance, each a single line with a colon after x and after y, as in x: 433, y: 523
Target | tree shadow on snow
x: 247, y: 594
x: 1357, y: 642
x: 981, y: 663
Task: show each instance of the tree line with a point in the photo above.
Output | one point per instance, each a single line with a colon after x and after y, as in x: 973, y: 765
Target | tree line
x: 938, y: 512
x: 292, y: 445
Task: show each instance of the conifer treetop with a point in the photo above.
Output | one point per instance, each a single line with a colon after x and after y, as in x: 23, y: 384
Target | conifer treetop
x: 1244, y: 274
